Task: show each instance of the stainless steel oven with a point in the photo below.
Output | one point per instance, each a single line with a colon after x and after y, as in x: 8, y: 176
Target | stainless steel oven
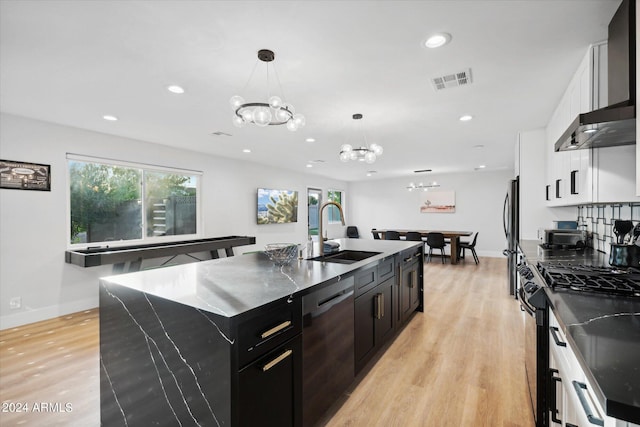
x: 533, y: 302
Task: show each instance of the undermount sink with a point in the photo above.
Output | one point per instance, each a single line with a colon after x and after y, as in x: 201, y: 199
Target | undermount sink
x: 345, y: 257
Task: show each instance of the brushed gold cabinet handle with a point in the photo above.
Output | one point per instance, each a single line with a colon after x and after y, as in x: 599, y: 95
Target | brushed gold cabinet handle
x: 277, y: 360
x: 275, y: 329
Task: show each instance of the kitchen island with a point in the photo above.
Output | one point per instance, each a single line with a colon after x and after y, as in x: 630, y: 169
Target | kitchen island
x: 603, y: 331
x: 218, y: 342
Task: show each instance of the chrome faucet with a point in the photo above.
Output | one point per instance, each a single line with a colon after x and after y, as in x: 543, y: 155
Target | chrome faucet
x: 324, y: 205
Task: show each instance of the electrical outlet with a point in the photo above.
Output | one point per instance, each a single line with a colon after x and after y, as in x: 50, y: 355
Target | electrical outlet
x: 15, y: 303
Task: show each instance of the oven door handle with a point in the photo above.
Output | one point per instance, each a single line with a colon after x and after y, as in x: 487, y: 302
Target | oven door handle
x: 554, y: 333
x: 555, y: 380
x: 523, y: 305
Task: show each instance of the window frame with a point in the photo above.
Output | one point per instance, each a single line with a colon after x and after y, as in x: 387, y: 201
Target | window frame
x: 143, y: 167
x: 330, y: 214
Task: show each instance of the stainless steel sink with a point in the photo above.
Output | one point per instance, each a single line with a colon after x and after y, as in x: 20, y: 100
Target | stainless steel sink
x: 345, y: 257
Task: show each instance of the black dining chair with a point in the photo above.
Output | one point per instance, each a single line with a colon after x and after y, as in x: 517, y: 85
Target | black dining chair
x: 436, y: 241
x: 352, y: 232
x: 413, y: 236
x: 376, y: 235
x: 471, y: 246
x: 391, y: 235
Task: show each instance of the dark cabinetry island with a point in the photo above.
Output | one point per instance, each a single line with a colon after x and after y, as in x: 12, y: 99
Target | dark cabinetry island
x: 221, y: 342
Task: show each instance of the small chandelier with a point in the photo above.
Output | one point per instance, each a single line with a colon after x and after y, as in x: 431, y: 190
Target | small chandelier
x: 421, y: 186
x: 274, y: 112
x: 366, y: 153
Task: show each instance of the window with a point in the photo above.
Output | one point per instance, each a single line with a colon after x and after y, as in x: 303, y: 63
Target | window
x: 117, y: 202
x: 333, y: 214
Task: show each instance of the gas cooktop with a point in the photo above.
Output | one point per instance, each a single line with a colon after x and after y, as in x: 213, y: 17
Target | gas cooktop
x: 592, y: 279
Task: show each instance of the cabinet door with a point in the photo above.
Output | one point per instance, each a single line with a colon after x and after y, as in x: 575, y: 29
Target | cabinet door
x: 365, y: 338
x: 409, y: 290
x: 270, y: 388
x: 383, y: 311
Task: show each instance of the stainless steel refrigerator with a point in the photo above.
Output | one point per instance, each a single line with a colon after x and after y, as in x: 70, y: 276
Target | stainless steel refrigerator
x: 511, y: 222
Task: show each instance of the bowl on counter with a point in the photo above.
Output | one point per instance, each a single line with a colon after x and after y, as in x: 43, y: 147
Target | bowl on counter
x: 281, y: 253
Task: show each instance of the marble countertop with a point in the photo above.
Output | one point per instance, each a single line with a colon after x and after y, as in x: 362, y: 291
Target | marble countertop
x: 234, y: 285
x: 603, y: 331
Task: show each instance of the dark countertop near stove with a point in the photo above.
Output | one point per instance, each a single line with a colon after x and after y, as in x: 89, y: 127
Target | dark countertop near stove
x: 603, y: 331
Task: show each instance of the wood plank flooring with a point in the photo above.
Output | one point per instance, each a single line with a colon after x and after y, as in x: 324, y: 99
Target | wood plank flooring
x: 457, y: 364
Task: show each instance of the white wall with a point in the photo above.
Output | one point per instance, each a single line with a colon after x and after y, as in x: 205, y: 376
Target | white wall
x: 33, y: 223
x: 479, y: 203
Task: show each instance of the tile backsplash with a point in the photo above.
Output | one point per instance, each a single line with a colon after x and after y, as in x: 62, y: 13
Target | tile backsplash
x: 599, y: 220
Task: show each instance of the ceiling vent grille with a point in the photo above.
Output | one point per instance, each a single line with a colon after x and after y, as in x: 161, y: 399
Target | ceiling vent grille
x: 461, y: 78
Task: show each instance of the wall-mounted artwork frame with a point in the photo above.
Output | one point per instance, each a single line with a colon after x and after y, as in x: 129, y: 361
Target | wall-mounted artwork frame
x: 15, y: 175
x: 277, y: 206
x: 439, y: 202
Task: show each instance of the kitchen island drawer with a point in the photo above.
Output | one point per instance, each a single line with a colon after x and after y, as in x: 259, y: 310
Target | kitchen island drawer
x: 386, y: 268
x: 366, y: 279
x: 268, y: 329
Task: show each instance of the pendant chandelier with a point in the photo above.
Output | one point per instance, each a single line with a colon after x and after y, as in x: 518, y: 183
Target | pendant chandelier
x: 274, y: 112
x: 365, y: 153
x: 421, y: 186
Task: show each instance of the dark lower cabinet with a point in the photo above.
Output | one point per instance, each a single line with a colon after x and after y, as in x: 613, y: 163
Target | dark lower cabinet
x: 410, y: 288
x: 270, y: 388
x: 374, y: 321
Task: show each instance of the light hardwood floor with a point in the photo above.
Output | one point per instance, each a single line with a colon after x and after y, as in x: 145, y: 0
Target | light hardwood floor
x: 457, y: 364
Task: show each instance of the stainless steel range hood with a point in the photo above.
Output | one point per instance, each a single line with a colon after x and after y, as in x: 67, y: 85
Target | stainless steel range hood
x: 616, y: 124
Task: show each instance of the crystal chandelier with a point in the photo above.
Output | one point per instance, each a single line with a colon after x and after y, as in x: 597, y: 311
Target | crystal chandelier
x: 274, y: 112
x: 421, y: 186
x: 367, y: 153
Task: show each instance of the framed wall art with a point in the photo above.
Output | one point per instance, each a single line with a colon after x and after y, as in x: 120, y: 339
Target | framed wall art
x: 439, y: 202
x: 25, y: 176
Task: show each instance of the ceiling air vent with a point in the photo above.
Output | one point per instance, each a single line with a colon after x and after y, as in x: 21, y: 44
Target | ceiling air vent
x: 461, y: 78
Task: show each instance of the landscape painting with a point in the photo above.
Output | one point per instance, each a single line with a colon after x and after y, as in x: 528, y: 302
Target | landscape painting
x: 277, y: 206
x: 439, y: 202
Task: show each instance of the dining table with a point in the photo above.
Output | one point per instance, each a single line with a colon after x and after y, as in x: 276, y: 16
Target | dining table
x: 453, y: 236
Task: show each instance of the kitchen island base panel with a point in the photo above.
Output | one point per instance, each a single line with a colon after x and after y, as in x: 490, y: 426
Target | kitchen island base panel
x: 161, y: 362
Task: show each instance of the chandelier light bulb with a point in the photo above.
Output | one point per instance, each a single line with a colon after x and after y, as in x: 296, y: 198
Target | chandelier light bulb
x: 292, y: 125
x: 346, y: 148
x: 299, y: 119
x: 376, y: 149
x: 236, y: 102
x: 370, y: 157
x: 238, y: 121
x: 261, y: 116
x: 344, y: 156
x: 275, y: 102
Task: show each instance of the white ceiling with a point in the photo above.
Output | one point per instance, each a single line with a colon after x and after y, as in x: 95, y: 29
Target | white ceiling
x: 71, y: 62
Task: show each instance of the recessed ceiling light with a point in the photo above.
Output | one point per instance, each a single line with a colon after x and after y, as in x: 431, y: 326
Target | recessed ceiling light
x: 309, y: 165
x: 437, y: 40
x: 310, y: 140
x: 175, y: 89
x: 370, y: 173
x: 110, y: 118
x: 465, y: 118
x: 246, y: 150
x: 478, y: 146
x: 482, y: 166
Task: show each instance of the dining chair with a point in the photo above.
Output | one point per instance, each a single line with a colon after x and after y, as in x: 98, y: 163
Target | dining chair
x: 352, y: 232
x: 471, y: 246
x: 376, y: 236
x: 391, y: 235
x: 413, y: 236
x: 436, y: 241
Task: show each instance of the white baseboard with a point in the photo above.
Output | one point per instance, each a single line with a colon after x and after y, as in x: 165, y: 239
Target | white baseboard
x: 27, y: 315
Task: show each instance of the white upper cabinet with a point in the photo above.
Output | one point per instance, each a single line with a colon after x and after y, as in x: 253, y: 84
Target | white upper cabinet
x: 570, y: 173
